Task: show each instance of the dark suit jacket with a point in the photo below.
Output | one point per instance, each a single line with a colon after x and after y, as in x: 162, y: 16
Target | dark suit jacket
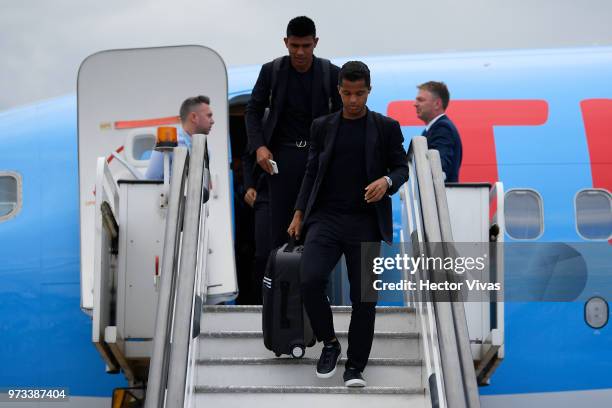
x: 260, y: 134
x: 444, y: 137
x: 385, y: 156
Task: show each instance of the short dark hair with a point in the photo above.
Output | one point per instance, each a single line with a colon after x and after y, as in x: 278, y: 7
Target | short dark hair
x: 354, y: 71
x: 439, y: 89
x: 301, y: 26
x: 190, y: 104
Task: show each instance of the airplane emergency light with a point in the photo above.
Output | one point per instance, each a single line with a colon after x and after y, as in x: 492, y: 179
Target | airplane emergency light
x: 166, y: 138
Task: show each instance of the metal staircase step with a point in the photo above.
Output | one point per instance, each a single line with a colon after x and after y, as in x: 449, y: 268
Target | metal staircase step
x: 231, y: 318
x: 335, y: 309
x: 306, y: 360
x: 406, y: 346
x: 240, y: 389
x: 301, y: 372
x: 310, y: 396
x: 259, y: 334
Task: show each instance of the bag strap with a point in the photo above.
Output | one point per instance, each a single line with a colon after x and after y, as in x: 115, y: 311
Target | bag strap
x: 276, y: 65
x: 326, y: 67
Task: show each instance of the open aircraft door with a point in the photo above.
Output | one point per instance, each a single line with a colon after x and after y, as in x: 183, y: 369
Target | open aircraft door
x: 123, y: 96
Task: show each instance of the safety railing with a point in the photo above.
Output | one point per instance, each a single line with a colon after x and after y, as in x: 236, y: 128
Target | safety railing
x: 426, y: 319
x: 470, y: 387
x: 446, y: 343
x: 158, y: 368
x: 170, y: 382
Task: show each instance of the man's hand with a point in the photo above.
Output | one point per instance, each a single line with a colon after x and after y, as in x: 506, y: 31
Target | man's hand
x: 376, y: 190
x: 263, y: 155
x: 295, y: 228
x: 250, y: 196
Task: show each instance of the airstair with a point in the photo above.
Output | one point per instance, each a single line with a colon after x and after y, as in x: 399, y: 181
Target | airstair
x: 214, y: 354
x: 423, y: 354
x: 166, y: 334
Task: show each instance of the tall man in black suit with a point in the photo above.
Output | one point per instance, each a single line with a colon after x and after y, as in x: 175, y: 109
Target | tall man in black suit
x: 431, y: 103
x: 356, y: 160
x: 296, y: 89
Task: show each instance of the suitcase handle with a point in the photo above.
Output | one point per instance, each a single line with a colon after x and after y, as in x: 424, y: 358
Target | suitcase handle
x: 290, y: 245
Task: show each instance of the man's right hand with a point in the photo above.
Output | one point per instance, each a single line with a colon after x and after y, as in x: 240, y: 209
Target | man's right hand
x: 250, y: 196
x: 263, y: 157
x: 295, y: 228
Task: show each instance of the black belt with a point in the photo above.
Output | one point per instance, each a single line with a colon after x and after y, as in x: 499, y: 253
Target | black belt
x: 297, y: 144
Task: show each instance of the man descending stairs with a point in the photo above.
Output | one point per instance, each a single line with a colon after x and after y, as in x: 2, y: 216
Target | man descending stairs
x: 236, y: 370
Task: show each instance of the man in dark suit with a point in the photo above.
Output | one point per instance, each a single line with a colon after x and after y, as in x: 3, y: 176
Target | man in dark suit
x: 431, y: 103
x: 296, y: 89
x: 355, y: 161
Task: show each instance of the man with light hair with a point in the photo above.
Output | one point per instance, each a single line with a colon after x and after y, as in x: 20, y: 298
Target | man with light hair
x: 431, y: 103
x: 196, y: 118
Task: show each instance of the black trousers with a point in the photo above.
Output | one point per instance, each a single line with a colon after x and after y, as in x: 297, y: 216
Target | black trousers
x: 283, y: 190
x: 329, y: 235
x: 262, y: 239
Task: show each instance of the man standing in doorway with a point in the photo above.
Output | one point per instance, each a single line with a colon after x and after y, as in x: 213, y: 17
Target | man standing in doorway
x: 296, y: 89
x: 196, y: 118
x: 355, y: 162
x: 431, y: 103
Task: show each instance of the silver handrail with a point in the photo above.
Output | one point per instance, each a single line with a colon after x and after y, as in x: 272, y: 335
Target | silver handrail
x: 451, y: 365
x: 181, y: 338
x: 458, y: 310
x: 175, y: 310
x: 158, y: 368
x: 422, y: 301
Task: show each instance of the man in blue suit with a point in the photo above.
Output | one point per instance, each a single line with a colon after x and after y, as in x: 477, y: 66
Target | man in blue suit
x: 431, y: 103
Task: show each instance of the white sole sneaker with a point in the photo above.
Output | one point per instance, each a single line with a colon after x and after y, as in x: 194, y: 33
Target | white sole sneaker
x: 332, y: 372
x: 355, y: 382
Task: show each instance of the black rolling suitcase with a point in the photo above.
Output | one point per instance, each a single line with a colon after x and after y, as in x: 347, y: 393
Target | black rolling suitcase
x: 286, y: 328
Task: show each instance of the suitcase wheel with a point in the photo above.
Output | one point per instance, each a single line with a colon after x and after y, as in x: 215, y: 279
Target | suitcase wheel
x: 297, y: 351
x: 312, y: 342
x: 277, y: 354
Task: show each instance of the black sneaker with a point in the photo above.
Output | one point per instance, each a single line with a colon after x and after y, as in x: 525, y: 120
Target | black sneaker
x: 353, y: 378
x: 326, y: 367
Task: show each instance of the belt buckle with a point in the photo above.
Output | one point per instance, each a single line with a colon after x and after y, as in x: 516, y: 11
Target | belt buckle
x: 300, y: 143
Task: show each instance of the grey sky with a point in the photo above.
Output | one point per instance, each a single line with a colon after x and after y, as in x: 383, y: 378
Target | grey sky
x: 42, y: 42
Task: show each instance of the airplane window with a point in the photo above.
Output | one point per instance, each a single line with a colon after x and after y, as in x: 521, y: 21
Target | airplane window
x: 523, y: 214
x: 594, y: 214
x: 10, y: 195
x: 143, y: 146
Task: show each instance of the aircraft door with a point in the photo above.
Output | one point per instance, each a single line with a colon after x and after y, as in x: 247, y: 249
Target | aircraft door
x: 123, y: 96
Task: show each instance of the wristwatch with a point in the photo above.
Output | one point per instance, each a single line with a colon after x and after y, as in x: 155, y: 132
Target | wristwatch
x: 389, y: 181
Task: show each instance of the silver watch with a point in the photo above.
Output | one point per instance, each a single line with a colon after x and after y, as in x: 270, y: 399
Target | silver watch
x: 389, y: 181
